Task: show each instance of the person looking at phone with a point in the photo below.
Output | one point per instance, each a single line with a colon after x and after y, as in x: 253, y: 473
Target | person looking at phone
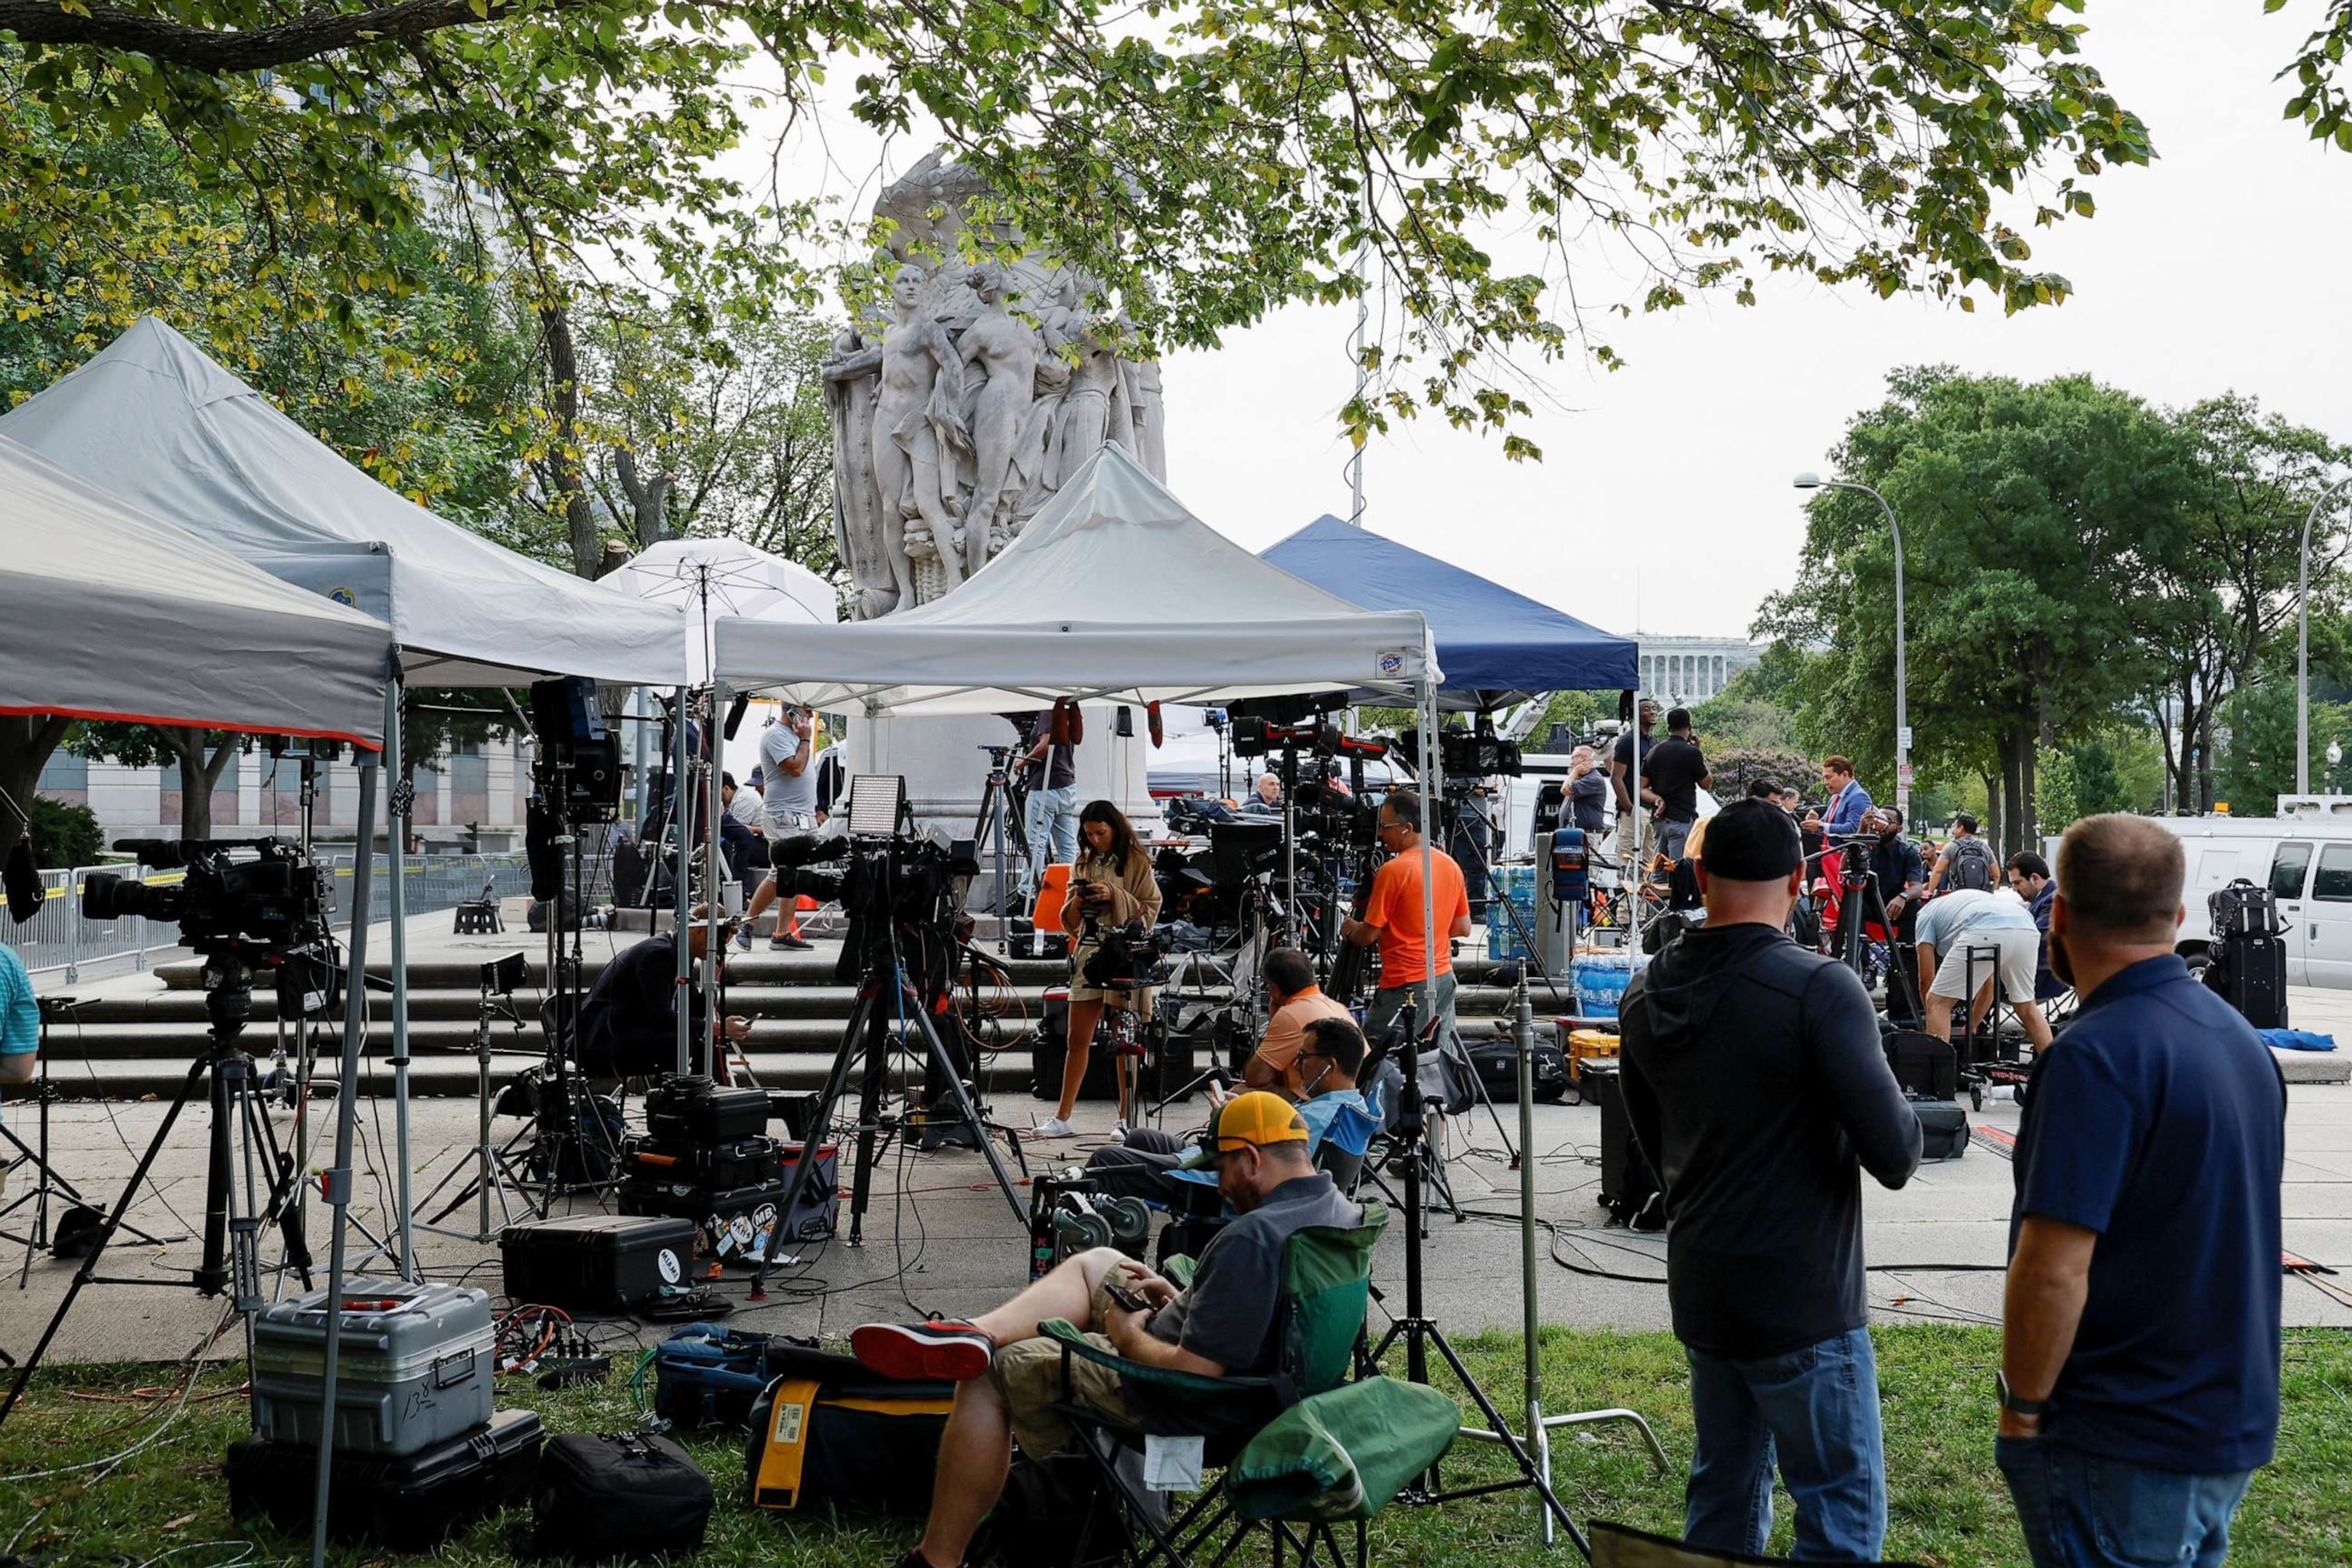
x: 1008, y: 1376
x: 1110, y: 886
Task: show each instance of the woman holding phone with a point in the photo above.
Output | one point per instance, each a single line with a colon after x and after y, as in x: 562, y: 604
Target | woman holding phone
x: 1111, y: 885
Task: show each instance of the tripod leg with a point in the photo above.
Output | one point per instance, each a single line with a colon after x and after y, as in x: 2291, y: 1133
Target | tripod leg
x: 89, y: 1268
x: 970, y: 1114
x: 837, y: 1082
x: 1525, y: 1460
x: 873, y: 1073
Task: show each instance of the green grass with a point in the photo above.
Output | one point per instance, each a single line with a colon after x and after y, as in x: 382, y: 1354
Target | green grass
x: 1949, y: 1506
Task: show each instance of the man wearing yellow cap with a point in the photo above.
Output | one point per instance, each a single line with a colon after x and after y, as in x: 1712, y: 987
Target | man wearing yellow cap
x: 1008, y: 1375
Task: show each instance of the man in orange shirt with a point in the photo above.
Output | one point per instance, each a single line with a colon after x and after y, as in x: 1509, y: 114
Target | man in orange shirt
x: 1296, y: 1000
x: 1393, y: 917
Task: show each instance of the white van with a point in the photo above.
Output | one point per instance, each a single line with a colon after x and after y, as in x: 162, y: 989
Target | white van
x: 2307, y: 863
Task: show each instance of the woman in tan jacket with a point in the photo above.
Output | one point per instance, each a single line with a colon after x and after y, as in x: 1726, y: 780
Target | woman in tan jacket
x: 1110, y: 885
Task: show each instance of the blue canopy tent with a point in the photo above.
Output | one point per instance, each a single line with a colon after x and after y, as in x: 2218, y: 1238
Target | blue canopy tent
x: 1490, y: 640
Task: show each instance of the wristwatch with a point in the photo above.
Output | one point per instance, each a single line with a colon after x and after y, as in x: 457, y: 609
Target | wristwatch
x: 2031, y: 1409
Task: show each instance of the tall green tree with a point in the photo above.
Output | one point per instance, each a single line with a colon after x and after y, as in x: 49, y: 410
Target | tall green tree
x: 2226, y: 590
x: 697, y: 430
x: 2031, y: 514
x: 1207, y: 160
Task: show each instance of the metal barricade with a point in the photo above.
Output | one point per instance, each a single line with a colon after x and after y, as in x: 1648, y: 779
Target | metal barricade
x: 58, y: 941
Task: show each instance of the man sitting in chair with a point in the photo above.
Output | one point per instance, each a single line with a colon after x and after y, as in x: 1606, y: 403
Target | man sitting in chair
x: 1322, y: 1064
x: 1009, y: 1376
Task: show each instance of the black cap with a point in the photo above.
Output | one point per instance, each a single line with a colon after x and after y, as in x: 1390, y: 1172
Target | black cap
x: 1751, y: 841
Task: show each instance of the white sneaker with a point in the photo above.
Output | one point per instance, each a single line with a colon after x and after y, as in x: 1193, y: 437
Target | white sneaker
x: 1118, y: 1130
x: 1053, y: 1126
x: 743, y: 937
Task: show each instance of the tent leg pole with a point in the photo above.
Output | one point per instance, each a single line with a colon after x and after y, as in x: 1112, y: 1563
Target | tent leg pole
x: 714, y: 885
x: 335, y: 1183
x: 680, y: 794
x: 397, y: 820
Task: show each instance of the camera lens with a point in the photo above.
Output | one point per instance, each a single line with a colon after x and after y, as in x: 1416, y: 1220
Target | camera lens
x: 107, y: 897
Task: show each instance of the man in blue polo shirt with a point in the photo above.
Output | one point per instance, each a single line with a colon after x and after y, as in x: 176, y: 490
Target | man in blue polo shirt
x: 2139, y: 1379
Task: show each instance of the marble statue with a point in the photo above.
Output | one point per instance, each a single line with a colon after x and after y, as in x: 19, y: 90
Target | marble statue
x: 985, y: 389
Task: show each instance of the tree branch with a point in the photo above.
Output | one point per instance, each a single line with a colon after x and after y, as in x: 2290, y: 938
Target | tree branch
x: 313, y: 33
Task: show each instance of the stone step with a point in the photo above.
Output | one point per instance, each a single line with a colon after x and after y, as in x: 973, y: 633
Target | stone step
x: 435, y: 1004
x: 444, y: 1075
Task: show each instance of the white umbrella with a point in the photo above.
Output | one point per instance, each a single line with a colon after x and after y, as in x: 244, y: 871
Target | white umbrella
x: 707, y: 578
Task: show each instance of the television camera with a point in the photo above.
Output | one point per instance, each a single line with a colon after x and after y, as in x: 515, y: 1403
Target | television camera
x: 240, y: 903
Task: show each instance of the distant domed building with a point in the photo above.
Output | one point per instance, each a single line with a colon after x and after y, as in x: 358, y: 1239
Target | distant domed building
x: 1689, y: 671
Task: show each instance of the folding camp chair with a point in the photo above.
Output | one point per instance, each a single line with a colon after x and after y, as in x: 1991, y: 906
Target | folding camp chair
x: 1330, y: 1451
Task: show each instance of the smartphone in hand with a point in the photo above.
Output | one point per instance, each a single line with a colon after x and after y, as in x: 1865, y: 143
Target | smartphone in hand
x: 1127, y: 1298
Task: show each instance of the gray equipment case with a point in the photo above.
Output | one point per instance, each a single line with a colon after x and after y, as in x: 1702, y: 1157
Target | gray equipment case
x: 413, y: 1369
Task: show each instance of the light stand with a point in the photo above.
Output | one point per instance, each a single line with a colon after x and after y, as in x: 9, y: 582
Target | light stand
x: 1420, y: 1333
x: 1539, y: 1428
x: 489, y: 1159
x: 45, y: 1094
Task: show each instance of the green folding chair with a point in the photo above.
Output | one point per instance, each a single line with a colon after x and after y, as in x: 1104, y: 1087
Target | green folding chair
x: 1331, y: 1451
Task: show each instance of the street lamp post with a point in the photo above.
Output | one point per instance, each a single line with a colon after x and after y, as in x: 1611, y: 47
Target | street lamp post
x: 1809, y: 480
x: 2302, y: 643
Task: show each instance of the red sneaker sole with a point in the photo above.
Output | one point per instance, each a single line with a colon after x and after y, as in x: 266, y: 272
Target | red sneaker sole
x: 909, y: 1356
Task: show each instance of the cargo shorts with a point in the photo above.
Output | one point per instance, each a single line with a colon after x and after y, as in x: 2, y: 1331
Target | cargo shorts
x: 1028, y: 1374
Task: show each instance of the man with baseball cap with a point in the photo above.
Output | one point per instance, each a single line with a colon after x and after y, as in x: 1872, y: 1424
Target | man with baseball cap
x: 1755, y: 1081
x: 1008, y: 1376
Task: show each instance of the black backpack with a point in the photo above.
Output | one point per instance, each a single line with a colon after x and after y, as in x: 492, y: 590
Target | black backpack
x: 1972, y: 865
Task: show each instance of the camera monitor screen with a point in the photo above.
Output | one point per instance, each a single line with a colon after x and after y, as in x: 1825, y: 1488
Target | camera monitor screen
x: 874, y: 801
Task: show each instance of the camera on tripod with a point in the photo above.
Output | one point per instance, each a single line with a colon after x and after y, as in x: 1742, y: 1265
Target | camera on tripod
x: 273, y: 907
x: 276, y: 902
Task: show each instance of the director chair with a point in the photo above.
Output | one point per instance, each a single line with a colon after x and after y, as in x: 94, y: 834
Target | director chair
x: 1330, y: 1451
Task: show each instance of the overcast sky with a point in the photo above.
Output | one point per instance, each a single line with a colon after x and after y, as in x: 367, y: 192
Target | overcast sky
x: 2220, y: 266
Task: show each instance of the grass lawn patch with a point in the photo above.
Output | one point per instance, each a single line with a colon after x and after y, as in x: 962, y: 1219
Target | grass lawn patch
x: 169, y: 1500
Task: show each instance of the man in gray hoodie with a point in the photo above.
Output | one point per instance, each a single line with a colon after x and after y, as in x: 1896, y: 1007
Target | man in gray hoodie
x: 1755, y: 1081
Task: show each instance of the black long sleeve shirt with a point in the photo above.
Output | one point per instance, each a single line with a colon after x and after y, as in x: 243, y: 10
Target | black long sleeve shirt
x: 1755, y: 1080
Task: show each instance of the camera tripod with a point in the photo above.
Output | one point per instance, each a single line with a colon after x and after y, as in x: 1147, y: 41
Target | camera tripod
x: 48, y: 1183
x: 1421, y: 1334
x: 1860, y: 905
x: 238, y: 1200
x: 1002, y: 806
x: 885, y: 993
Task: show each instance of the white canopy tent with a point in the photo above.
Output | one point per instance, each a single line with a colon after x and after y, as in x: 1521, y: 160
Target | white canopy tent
x: 155, y: 420
x: 1114, y: 592
x: 108, y: 611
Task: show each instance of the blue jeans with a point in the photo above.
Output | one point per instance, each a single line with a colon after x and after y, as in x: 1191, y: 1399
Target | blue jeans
x: 2081, y: 1509
x: 1050, y: 815
x: 1816, y: 1410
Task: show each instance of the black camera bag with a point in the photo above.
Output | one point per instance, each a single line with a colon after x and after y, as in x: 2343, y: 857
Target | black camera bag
x: 2245, y: 909
x: 629, y: 1494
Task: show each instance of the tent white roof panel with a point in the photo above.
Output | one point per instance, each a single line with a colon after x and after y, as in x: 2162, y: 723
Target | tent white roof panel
x: 154, y: 420
x: 108, y: 611
x: 1114, y: 591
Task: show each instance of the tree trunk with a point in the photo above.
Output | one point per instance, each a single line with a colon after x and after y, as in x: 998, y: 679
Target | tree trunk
x: 200, y: 773
x: 648, y: 497
x: 25, y: 747
x: 2018, y: 740
x: 563, y: 461
x: 2204, y: 762
x: 2028, y: 811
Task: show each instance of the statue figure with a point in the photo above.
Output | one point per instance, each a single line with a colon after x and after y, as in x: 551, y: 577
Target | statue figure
x: 1006, y: 350
x: 919, y: 425
x: 954, y: 418
x: 1088, y: 420
x: 872, y: 546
